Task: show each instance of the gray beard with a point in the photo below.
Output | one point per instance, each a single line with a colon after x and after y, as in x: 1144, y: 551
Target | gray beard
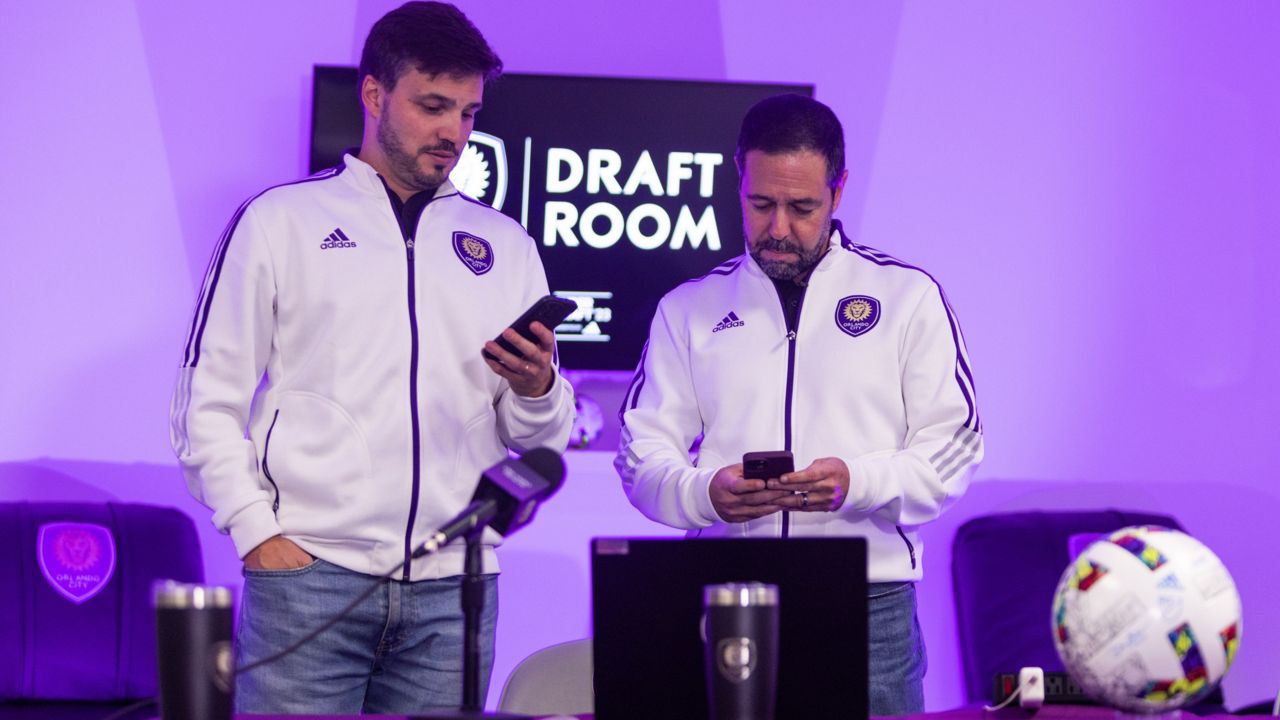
x: 780, y: 270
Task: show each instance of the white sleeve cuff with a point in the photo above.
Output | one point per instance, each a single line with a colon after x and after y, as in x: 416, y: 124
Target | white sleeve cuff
x: 253, y: 526
x: 707, y: 514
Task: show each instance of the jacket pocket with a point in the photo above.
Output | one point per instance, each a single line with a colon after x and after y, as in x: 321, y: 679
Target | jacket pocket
x: 317, y: 460
x: 479, y: 446
x: 266, y: 467
x: 911, y: 549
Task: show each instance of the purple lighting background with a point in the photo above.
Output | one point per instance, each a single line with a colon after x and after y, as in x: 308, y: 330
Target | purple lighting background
x: 1095, y: 184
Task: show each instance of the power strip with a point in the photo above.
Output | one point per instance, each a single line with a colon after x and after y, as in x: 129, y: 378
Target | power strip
x: 1031, y: 680
x: 1059, y: 689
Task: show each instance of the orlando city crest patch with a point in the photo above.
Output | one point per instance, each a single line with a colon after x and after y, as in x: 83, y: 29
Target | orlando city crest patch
x: 77, y: 559
x: 857, y: 314
x: 474, y: 252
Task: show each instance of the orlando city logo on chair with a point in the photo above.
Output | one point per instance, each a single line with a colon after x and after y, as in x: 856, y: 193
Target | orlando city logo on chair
x: 77, y: 559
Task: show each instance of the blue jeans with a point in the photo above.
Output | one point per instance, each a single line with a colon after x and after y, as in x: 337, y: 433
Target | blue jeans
x: 896, y: 650
x: 399, y: 652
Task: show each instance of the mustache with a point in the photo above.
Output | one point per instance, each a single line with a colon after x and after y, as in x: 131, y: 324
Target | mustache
x: 444, y: 146
x: 779, y: 245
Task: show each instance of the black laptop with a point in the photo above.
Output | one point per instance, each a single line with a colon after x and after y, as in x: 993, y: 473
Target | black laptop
x: 646, y: 597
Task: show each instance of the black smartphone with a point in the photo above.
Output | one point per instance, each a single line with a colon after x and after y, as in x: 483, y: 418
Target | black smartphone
x: 767, y: 465
x: 548, y: 310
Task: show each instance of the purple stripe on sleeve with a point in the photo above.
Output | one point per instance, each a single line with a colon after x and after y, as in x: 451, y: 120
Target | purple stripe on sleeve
x: 946, y: 477
x: 933, y: 459
x: 955, y: 331
x: 204, y: 287
x: 870, y: 251
x: 964, y: 450
x: 635, y: 399
x: 641, y: 376
x: 191, y: 357
x: 725, y: 268
x: 219, y: 249
x: 206, y: 301
x: 962, y: 368
x: 632, y: 396
x: 637, y: 379
x: 971, y: 421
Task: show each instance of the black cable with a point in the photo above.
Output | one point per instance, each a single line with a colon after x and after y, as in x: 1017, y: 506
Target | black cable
x: 377, y: 583
x: 472, y: 524
x: 127, y: 709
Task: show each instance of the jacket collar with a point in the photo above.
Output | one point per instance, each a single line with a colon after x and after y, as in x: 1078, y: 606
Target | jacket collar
x: 835, y: 243
x: 366, y: 179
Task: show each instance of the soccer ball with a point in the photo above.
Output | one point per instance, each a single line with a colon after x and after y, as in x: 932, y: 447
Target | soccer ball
x: 1147, y: 620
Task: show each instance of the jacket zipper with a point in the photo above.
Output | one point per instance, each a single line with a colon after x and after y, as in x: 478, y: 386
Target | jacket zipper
x: 413, y: 408
x: 791, y: 369
x: 266, y: 450
x: 413, y: 382
x: 911, y: 549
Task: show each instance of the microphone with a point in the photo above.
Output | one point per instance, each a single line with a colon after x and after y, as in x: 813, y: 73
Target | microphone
x: 505, y: 500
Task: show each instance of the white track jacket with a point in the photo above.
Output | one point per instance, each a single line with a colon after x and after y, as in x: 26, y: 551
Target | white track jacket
x: 374, y: 414
x: 876, y: 375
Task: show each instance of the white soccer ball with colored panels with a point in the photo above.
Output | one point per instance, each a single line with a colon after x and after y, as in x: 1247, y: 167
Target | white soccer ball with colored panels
x: 1147, y: 620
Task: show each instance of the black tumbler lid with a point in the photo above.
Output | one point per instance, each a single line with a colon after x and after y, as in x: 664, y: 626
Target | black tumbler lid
x: 751, y: 594
x: 175, y: 595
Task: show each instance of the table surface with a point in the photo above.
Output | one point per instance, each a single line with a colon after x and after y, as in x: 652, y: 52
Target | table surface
x: 97, y: 711
x: 1048, y: 712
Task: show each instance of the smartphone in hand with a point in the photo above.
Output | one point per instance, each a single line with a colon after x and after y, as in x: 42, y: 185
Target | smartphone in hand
x: 767, y: 465
x: 548, y: 310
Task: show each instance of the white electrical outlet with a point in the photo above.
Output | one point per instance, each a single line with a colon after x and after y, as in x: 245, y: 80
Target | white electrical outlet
x: 1031, y: 684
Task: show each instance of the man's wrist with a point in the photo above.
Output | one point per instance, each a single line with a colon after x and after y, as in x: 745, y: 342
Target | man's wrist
x: 546, y: 388
x: 252, y: 526
x: 543, y: 396
x: 707, y: 512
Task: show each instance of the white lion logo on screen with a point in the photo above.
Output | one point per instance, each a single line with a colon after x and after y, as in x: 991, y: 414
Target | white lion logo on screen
x: 481, y: 172
x: 471, y: 174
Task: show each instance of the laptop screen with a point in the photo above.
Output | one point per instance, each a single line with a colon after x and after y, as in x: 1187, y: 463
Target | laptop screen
x: 646, y: 599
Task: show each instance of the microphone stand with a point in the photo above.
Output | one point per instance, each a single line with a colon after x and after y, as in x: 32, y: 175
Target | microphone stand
x: 472, y: 609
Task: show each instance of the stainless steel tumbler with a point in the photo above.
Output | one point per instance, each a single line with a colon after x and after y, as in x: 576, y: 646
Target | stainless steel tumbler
x: 741, y: 645
x: 193, y: 643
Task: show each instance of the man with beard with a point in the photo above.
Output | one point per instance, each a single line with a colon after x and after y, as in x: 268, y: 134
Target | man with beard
x: 334, y: 407
x: 812, y: 343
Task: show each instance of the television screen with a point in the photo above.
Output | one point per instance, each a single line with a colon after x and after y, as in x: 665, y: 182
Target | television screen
x: 627, y: 186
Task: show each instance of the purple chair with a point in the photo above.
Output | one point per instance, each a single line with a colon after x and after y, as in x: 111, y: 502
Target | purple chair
x: 75, y: 595
x: 1004, y: 571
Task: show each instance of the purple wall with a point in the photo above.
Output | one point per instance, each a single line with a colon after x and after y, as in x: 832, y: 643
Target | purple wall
x: 1095, y: 185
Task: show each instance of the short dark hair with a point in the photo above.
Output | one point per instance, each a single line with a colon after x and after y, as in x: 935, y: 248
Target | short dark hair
x: 431, y: 37
x: 790, y: 122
